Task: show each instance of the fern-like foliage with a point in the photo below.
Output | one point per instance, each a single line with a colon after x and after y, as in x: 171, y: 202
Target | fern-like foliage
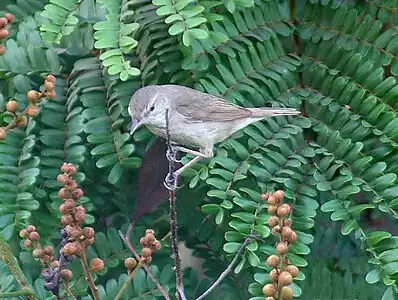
x: 114, y: 35
x: 63, y: 21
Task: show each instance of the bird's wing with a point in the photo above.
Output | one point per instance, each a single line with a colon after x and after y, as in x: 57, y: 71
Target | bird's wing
x: 200, y: 107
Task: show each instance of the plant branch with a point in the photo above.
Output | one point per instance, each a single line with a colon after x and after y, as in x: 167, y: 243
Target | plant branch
x: 23, y: 292
x: 9, y: 259
x: 146, y: 268
x: 171, y: 185
x: 225, y: 273
x: 128, y: 280
x: 67, y: 290
x: 89, y: 278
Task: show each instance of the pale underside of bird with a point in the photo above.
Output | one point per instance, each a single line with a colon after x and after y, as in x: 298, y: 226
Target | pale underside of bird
x: 196, y: 119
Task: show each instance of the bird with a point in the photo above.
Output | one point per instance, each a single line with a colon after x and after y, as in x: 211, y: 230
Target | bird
x: 195, y: 119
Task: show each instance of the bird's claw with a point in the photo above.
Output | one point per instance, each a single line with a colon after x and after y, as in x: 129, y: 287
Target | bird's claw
x: 171, y: 155
x: 171, y: 181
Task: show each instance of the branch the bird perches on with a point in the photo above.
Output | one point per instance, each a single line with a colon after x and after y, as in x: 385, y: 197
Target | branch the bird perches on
x: 171, y: 181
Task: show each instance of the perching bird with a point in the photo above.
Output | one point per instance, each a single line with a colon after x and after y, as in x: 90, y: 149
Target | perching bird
x: 196, y: 119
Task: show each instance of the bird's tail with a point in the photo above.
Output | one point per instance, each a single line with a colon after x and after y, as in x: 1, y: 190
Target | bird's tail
x: 263, y: 112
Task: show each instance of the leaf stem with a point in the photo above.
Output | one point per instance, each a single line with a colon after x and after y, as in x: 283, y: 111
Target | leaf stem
x: 68, y: 291
x: 9, y: 259
x: 225, y: 273
x: 146, y: 268
x: 129, y: 279
x: 23, y: 292
x: 89, y: 278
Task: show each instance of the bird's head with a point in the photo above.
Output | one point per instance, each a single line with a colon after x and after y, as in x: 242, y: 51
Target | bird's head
x: 147, y: 107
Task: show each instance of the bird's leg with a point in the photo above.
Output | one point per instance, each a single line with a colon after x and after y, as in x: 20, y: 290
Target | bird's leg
x: 171, y: 155
x: 171, y: 180
x: 204, y: 154
x: 190, y: 164
x: 207, y: 153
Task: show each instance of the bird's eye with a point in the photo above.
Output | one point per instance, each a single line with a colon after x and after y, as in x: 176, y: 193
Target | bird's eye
x: 152, y: 108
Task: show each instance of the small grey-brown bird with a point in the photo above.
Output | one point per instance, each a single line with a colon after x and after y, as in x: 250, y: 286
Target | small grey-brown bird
x: 196, y: 119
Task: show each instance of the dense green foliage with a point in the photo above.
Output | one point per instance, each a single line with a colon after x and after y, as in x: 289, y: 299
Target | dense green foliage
x: 335, y: 60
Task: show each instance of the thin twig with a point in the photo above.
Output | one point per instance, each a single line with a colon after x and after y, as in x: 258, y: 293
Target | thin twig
x: 68, y: 290
x: 128, y: 280
x: 10, y: 260
x: 172, y: 183
x: 89, y: 278
x: 126, y: 240
x: 23, y: 292
x: 225, y: 273
x: 146, y: 268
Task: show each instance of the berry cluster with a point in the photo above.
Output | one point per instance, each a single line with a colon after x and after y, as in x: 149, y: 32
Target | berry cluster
x: 75, y: 239
x: 55, y: 268
x: 150, y: 244
x: 32, y: 110
x: 49, y: 91
x: 283, y: 272
x: 73, y: 215
x: 5, y: 23
x: 31, y: 241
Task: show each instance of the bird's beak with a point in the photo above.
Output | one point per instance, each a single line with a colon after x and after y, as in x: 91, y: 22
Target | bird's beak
x: 135, y: 125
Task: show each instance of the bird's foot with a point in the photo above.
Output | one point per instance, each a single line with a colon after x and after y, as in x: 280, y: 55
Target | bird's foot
x: 171, y: 154
x: 171, y: 181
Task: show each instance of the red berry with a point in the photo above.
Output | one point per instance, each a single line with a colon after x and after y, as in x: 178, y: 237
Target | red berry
x: 269, y: 289
x: 282, y: 248
x: 23, y: 233
x: 88, y: 232
x: 286, y: 232
x: 146, y: 252
x: 273, y: 221
x: 293, y: 270
x: 285, y: 278
x: 97, y: 265
x: 3, y: 22
x: 50, y: 78
x: 279, y: 195
x: 12, y: 106
x: 33, y: 95
x: 10, y: 18
x: 32, y: 110
x: 286, y: 293
x: 49, y: 86
x: 274, y: 274
x: 66, y: 274
x: 34, y: 236
x: 293, y: 237
x: 272, y: 209
x: 130, y: 263
x: 4, y: 33
x: 31, y: 228
x: 273, y: 261
x: 272, y: 200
